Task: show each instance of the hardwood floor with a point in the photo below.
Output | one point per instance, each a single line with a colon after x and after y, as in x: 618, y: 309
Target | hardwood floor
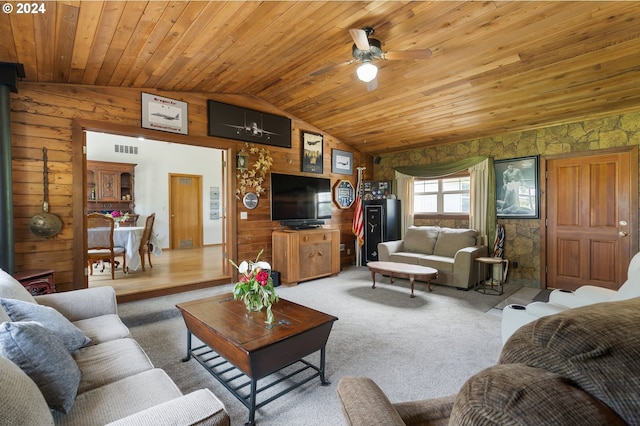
x: 174, y: 271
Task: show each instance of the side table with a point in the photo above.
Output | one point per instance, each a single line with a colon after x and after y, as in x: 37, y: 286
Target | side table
x: 495, y: 284
x: 37, y: 281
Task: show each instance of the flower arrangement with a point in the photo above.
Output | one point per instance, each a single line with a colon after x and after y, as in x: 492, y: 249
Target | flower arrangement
x: 118, y: 216
x: 255, y: 286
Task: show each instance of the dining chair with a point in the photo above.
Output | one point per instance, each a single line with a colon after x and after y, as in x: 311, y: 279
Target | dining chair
x: 145, y: 242
x: 100, y: 242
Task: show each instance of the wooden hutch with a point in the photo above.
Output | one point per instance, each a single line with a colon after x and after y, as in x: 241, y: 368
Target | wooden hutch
x: 110, y: 187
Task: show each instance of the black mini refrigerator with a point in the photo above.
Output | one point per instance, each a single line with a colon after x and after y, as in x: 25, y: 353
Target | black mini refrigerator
x: 382, y: 222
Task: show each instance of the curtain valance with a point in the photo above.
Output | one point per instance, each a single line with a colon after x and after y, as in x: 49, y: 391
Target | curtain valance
x: 441, y: 169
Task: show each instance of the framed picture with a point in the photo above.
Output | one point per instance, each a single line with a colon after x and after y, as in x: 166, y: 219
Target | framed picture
x: 312, y: 152
x: 343, y: 194
x: 517, y: 188
x: 243, y: 124
x: 341, y: 162
x: 167, y: 115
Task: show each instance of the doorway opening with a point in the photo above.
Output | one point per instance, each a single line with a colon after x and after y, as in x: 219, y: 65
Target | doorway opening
x: 174, y: 270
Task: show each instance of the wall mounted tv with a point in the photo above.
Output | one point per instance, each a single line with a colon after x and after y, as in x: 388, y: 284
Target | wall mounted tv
x: 300, y: 201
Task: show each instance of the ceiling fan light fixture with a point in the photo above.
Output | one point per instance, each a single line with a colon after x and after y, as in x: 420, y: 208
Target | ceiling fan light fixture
x: 367, y: 72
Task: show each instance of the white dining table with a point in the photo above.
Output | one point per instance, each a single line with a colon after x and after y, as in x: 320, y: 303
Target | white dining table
x: 129, y: 237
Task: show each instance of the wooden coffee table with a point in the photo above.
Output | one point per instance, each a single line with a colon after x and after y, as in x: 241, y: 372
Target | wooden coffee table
x: 402, y: 270
x: 240, y: 348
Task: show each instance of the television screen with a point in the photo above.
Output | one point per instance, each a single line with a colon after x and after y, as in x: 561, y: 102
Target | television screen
x: 300, y: 198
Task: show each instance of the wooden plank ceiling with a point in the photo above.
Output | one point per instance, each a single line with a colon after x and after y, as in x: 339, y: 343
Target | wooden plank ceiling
x: 496, y: 67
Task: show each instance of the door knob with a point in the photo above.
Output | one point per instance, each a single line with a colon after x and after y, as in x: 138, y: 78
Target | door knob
x: 623, y: 233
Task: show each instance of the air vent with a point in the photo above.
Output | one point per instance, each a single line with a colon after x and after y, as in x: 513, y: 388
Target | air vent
x: 126, y: 149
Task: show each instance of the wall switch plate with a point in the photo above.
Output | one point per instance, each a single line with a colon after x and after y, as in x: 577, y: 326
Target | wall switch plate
x: 243, y: 215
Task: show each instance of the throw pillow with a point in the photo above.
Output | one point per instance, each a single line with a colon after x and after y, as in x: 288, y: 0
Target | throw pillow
x: 451, y: 240
x: 72, y: 337
x: 421, y: 239
x: 45, y: 359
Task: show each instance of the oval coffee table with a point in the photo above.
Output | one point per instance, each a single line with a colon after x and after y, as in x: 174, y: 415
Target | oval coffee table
x: 402, y: 270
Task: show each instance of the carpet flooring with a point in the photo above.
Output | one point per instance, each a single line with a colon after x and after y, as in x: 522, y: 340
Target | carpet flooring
x: 416, y: 348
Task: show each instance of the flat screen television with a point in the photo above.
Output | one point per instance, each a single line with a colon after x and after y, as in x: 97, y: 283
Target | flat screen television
x: 300, y: 201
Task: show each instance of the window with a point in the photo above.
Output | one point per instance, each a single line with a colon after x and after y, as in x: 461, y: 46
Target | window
x: 450, y: 195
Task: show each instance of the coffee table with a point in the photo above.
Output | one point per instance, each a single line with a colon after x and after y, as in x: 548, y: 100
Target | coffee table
x: 240, y: 348
x: 402, y: 270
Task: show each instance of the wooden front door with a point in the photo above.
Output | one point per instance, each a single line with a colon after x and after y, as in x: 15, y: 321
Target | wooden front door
x: 591, y: 219
x: 185, y: 211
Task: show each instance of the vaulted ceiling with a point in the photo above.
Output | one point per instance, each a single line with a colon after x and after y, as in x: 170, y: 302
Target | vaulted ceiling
x: 497, y: 66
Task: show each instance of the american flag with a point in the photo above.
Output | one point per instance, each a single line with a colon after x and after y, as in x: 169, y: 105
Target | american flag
x: 358, y: 216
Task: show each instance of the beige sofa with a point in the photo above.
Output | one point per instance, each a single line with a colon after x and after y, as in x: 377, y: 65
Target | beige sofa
x: 450, y: 251
x: 67, y: 359
x: 579, y: 367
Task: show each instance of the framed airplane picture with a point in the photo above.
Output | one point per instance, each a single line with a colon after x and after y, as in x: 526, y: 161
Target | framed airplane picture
x: 312, y: 152
x: 243, y: 124
x: 341, y: 162
x: 164, y: 114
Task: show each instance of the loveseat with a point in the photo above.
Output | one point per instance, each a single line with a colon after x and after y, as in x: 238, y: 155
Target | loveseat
x: 68, y: 359
x: 579, y: 367
x: 450, y: 251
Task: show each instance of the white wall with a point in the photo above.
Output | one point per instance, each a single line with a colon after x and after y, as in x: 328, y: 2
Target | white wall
x: 154, y: 162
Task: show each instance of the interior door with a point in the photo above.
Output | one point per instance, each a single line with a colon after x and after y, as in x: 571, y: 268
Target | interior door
x: 591, y: 219
x: 185, y: 211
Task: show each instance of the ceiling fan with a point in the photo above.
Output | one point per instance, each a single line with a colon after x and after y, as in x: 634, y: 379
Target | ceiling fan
x: 366, y: 49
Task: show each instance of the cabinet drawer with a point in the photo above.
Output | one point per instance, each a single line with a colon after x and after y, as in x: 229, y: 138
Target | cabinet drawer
x: 316, y: 237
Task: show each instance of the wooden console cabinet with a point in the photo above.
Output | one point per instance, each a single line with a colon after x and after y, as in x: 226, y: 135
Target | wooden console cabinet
x: 302, y: 255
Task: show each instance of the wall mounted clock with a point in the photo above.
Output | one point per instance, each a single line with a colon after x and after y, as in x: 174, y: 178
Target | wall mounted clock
x: 250, y: 200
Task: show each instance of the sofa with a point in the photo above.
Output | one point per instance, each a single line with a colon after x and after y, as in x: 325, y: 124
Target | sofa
x: 450, y: 251
x: 515, y: 315
x: 578, y: 367
x: 68, y: 359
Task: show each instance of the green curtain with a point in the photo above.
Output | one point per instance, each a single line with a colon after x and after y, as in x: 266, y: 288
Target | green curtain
x: 443, y: 169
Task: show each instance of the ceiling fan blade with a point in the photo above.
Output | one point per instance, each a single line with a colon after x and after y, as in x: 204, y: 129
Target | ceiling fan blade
x: 359, y: 37
x: 408, y: 55
x: 372, y: 85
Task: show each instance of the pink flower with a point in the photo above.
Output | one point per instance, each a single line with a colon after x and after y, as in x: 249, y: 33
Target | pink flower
x: 262, y: 277
x: 115, y: 213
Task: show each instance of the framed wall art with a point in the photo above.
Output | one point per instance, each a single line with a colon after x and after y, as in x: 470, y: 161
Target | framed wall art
x: 243, y: 124
x: 167, y: 115
x: 343, y: 194
x: 312, y: 152
x: 517, y: 188
x: 341, y: 162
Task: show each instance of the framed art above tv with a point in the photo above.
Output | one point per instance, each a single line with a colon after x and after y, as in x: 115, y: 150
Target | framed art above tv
x: 233, y: 122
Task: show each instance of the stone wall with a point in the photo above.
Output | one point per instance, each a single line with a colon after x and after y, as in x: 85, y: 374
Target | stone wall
x: 522, y: 244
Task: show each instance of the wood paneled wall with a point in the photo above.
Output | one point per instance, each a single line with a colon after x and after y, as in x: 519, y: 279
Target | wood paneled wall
x: 46, y: 115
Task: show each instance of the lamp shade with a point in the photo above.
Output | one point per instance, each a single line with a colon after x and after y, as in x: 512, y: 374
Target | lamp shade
x: 367, y: 72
